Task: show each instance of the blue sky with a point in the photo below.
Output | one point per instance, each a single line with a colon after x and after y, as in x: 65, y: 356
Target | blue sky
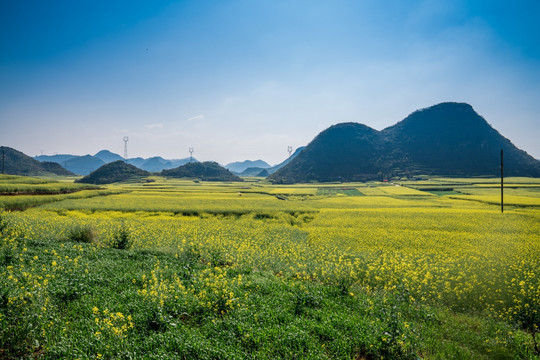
x: 245, y: 79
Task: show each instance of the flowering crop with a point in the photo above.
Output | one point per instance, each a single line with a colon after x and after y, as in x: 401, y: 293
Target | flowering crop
x: 423, y: 250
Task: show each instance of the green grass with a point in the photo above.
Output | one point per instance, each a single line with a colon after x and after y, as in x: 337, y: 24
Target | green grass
x: 276, y: 316
x: 22, y: 202
x: 345, y: 191
x: 40, y: 189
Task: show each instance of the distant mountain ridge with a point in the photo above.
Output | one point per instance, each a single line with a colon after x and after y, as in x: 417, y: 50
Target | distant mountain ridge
x: 240, y: 166
x: 60, y: 159
x: 263, y: 171
x: 445, y: 139
x: 85, y: 164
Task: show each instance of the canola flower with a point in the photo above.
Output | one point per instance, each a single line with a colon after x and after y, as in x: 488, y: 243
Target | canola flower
x: 466, y: 261
x: 109, y: 323
x: 212, y: 289
x: 437, y: 250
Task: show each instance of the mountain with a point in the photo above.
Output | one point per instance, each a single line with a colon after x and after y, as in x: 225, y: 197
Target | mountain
x: 55, y: 168
x: 14, y: 162
x: 252, y: 171
x: 451, y: 138
x: 208, y: 171
x: 113, y: 172
x: 108, y: 156
x: 81, y: 165
x: 60, y: 159
x: 343, y: 152
x: 136, y: 161
x: 84, y: 165
x: 179, y: 162
x: 445, y: 139
x: 240, y: 166
x: 157, y: 163
x: 275, y: 168
x: 263, y: 173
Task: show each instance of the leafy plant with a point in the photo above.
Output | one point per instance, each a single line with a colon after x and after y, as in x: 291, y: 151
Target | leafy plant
x: 122, y: 239
x: 82, y: 234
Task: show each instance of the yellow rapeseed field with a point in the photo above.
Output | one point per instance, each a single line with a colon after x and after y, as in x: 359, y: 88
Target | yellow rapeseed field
x: 445, y: 250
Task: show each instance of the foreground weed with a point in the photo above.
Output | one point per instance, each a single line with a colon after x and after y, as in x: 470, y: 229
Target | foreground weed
x: 82, y: 234
x: 122, y: 238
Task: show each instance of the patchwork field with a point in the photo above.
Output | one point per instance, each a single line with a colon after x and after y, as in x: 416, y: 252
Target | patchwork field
x: 181, y: 269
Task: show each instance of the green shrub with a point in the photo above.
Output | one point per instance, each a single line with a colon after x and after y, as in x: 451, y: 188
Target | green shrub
x: 121, y: 239
x: 82, y: 233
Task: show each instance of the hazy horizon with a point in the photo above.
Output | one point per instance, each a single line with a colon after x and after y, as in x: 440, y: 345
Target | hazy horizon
x: 242, y: 80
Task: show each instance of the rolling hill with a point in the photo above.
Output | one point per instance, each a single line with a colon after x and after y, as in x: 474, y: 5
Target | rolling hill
x: 14, y: 162
x: 445, y: 139
x: 208, y: 171
x: 115, y: 171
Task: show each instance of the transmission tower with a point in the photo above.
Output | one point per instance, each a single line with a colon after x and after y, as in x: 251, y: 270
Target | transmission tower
x: 191, y: 150
x: 289, y: 149
x: 126, y: 139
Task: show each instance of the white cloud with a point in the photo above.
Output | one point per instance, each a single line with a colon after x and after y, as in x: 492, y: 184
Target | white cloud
x: 196, y: 118
x: 153, y: 126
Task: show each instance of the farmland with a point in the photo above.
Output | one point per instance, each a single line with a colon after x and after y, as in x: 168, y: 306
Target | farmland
x: 183, y: 269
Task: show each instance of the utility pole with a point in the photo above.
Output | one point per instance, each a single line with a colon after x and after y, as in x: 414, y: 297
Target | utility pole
x: 502, y: 183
